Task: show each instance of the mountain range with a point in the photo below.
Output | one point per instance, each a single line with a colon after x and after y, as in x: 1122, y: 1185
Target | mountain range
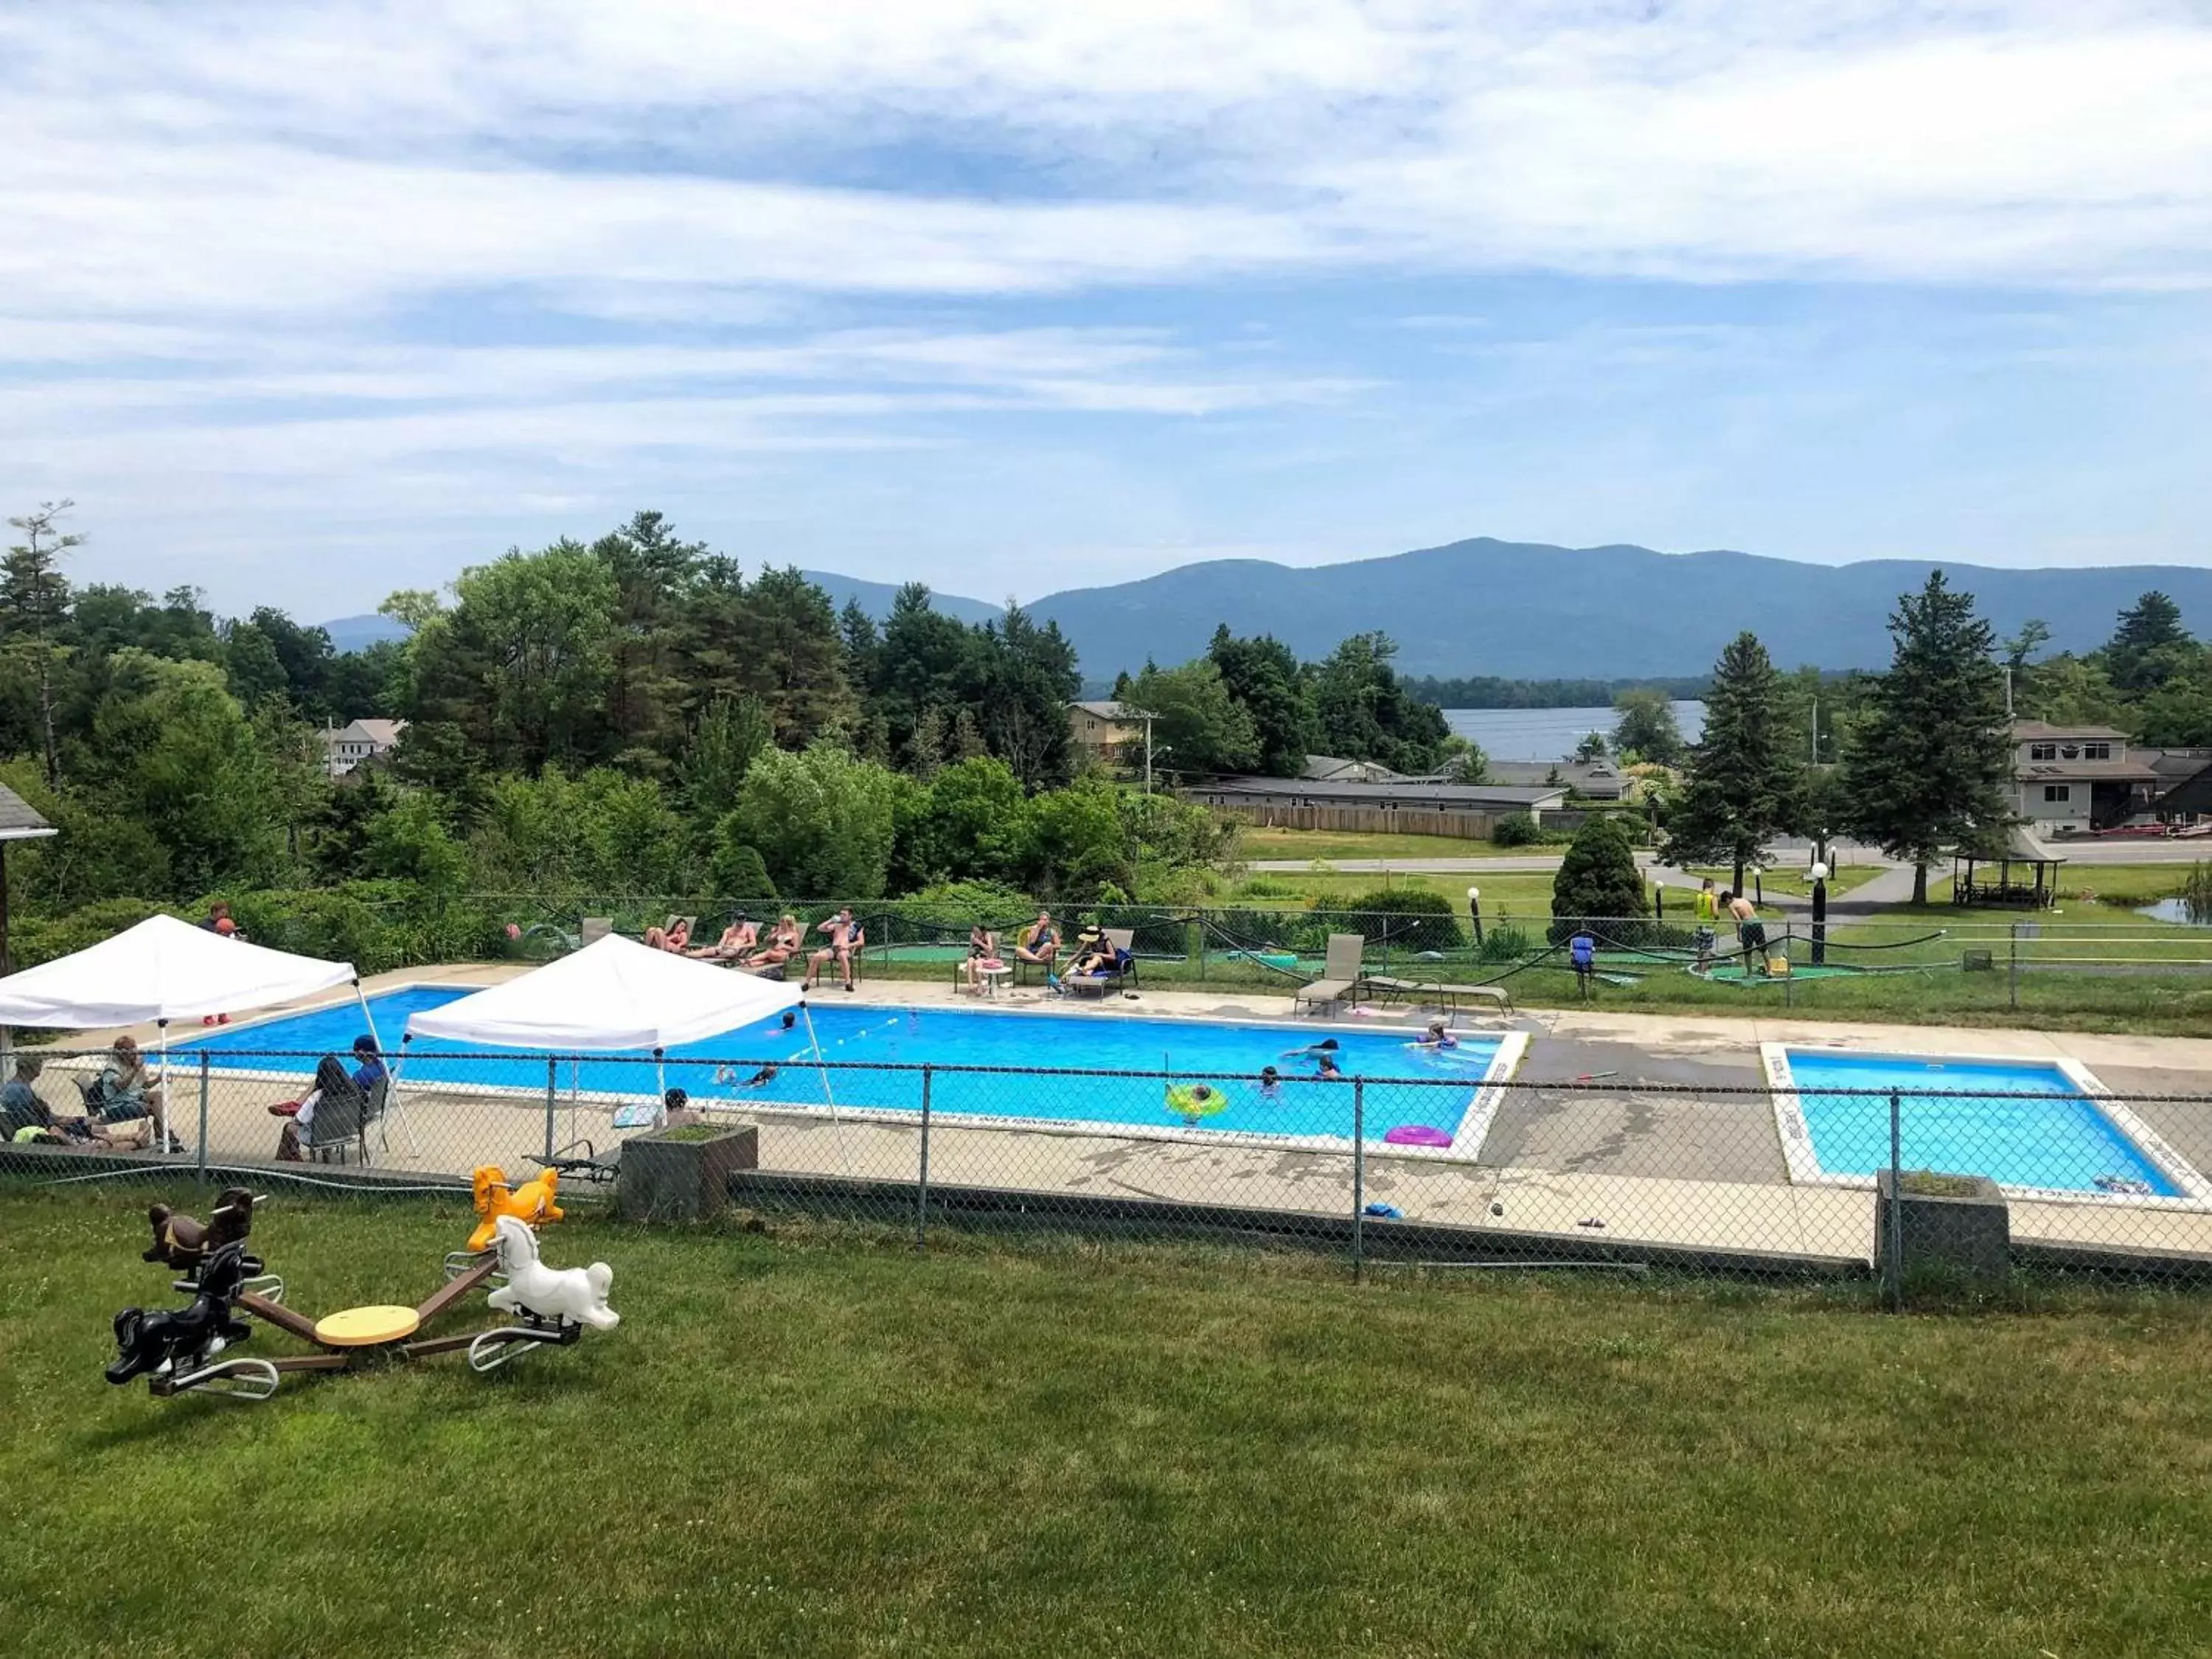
x: 1526, y: 610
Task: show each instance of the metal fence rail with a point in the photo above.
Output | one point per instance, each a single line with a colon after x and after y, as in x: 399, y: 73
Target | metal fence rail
x: 1733, y: 1175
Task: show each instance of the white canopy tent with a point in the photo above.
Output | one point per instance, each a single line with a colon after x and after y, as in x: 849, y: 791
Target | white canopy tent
x: 615, y: 996
x: 160, y: 970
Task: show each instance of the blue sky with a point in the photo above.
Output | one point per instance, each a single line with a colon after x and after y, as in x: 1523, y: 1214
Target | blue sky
x: 306, y: 304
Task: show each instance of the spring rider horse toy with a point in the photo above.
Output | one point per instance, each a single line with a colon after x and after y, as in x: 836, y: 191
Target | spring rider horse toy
x: 178, y: 1349
x: 532, y: 1202
x: 183, y: 1244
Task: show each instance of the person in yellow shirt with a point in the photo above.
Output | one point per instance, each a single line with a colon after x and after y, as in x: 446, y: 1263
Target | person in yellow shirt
x: 1708, y: 910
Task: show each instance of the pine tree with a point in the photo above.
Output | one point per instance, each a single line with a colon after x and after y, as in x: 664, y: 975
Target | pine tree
x: 2149, y: 647
x: 1745, y: 779
x: 34, y: 598
x: 1930, y: 761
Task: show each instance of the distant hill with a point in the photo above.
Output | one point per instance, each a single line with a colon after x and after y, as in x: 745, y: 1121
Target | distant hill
x: 1528, y: 611
x: 1525, y: 610
x: 358, y: 633
x: 876, y: 599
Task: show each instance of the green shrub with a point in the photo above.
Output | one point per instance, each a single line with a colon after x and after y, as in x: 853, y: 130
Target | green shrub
x: 1597, y: 878
x: 1503, y: 945
x: 1405, y: 918
x: 1519, y: 829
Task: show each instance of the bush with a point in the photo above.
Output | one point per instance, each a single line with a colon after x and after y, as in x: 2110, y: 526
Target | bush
x: 1503, y: 945
x: 1520, y: 830
x: 1597, y: 878
x: 948, y: 909
x: 1406, y: 918
x: 736, y: 872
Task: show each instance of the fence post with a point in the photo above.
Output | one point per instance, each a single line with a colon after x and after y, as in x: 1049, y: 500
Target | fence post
x: 921, y: 1184
x: 2012, y: 967
x: 552, y: 1084
x: 1894, y: 1264
x: 1790, y: 979
x: 1358, y: 1179
x: 200, y: 1175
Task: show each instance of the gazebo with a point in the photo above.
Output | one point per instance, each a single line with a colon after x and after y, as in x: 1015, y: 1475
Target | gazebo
x: 2027, y: 873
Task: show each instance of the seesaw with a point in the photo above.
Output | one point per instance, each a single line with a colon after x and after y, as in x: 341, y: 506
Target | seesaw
x: 184, y: 1350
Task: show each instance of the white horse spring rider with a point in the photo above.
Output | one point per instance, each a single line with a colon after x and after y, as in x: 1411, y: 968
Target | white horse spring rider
x: 572, y: 1293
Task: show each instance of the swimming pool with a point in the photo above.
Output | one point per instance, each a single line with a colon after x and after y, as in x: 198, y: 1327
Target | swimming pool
x: 2024, y: 1124
x: 1402, y: 1085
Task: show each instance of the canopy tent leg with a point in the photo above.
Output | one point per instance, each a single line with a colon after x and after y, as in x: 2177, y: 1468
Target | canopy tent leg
x: 836, y: 1123
x: 161, y: 1110
x: 388, y: 1120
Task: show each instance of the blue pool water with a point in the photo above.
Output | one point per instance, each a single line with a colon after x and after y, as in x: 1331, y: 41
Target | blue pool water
x: 1405, y: 1085
x: 2049, y: 1139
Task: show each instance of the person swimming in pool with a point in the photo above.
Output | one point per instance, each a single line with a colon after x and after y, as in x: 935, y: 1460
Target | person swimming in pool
x: 1271, y: 1084
x: 1437, y: 1036
x: 1323, y: 1054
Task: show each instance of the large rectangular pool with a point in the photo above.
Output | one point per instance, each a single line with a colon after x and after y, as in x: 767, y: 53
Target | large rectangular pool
x: 2036, y: 1127
x: 1006, y: 1061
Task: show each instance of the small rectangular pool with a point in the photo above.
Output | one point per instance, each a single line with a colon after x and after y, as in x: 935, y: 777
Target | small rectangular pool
x: 2039, y: 1128
x: 1404, y: 1087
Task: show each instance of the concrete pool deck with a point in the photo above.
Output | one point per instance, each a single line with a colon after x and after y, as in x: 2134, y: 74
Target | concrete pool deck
x: 1623, y: 1148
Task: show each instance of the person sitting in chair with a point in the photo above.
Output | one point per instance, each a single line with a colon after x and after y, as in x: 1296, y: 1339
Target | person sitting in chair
x: 1039, y: 944
x: 124, y: 1092
x: 982, y: 955
x: 737, y: 942
x: 846, y: 938
x: 331, y: 1082
x: 368, y: 1065
x: 675, y: 940
x: 784, y: 942
x: 25, y: 1117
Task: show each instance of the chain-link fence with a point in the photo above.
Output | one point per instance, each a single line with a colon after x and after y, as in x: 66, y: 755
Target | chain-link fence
x: 1788, y: 1163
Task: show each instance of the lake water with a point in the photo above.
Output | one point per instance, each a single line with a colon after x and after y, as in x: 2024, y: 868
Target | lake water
x: 1550, y: 734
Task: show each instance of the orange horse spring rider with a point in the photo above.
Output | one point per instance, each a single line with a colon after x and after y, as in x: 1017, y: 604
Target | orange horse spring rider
x: 531, y: 1202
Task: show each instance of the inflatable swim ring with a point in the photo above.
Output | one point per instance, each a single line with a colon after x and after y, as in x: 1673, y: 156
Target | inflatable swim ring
x: 1192, y: 1102
x: 1417, y: 1134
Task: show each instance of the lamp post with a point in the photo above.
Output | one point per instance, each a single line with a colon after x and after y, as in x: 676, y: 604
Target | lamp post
x: 1474, y: 912
x: 1820, y: 914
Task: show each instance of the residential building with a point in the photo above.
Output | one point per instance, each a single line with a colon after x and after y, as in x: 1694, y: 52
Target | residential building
x: 1390, y: 806
x: 1329, y: 769
x: 1113, y: 732
x: 1600, y: 779
x: 345, y: 748
x: 2070, y: 780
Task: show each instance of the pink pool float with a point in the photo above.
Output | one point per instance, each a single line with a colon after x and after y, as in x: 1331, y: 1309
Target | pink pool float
x: 1417, y: 1134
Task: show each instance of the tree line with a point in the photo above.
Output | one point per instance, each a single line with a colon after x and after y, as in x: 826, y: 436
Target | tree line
x: 634, y: 714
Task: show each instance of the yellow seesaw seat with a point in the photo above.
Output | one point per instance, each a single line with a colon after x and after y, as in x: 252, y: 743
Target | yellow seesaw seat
x: 366, y: 1328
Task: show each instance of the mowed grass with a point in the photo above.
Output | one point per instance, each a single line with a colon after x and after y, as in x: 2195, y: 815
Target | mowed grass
x: 1256, y: 843
x: 812, y: 1443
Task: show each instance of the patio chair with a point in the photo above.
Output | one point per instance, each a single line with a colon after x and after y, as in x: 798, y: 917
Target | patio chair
x: 334, y: 1133
x: 594, y: 929
x: 1339, y: 973
x: 1123, y: 970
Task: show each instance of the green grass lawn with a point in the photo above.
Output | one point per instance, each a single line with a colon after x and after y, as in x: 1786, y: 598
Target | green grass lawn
x: 811, y: 1441
x: 1255, y: 843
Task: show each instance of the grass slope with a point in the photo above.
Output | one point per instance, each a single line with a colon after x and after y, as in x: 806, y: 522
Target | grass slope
x: 821, y: 1444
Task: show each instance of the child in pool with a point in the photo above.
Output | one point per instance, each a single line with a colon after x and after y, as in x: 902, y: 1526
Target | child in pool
x: 1271, y: 1084
x: 1437, y: 1036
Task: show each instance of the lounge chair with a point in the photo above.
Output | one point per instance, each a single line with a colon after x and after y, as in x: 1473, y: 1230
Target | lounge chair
x: 1339, y: 973
x: 1124, y: 968
x: 1394, y: 989
x: 594, y: 929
